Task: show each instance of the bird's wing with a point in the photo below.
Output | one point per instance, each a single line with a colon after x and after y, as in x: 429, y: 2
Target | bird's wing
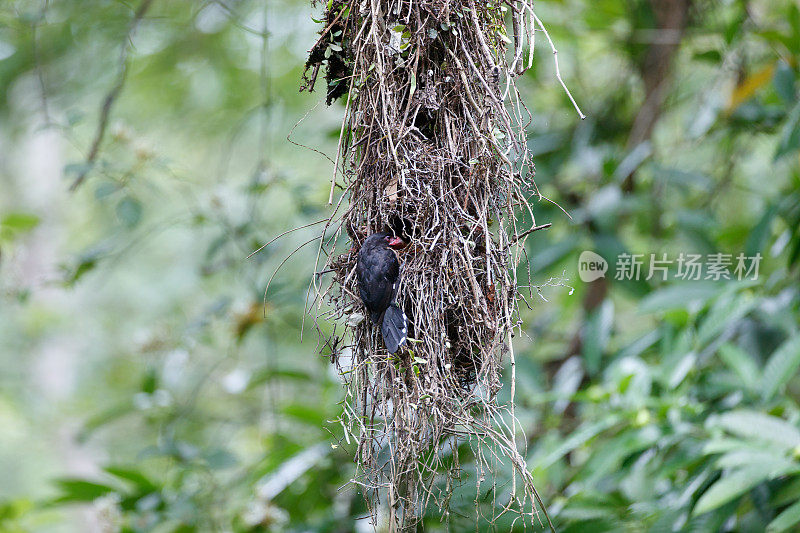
x: 374, y: 283
x: 393, y: 277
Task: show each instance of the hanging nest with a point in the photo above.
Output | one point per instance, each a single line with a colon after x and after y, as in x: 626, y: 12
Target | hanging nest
x: 432, y: 148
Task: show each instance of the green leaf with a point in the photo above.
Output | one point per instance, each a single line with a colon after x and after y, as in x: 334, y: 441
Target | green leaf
x: 783, y: 80
x: 787, y: 493
x: 133, y: 476
x: 794, y: 252
x: 763, y: 457
x: 682, y: 369
x: 793, y: 43
x: 680, y: 296
x: 607, y: 456
x: 786, y: 520
x: 724, y: 314
x: 79, y: 490
x: 77, y: 169
x: 13, y: 509
x: 20, y: 222
x: 221, y: 459
x: 106, y: 417
x: 129, y: 211
x: 576, y: 438
x: 684, y: 180
x: 637, y: 347
x: 760, y: 426
x: 756, y: 241
x: 75, y: 116
x: 150, y: 381
x: 729, y: 487
x: 742, y: 364
x: 85, y: 263
x: 554, y: 254
x: 305, y: 413
x: 106, y: 188
x: 15, y: 224
x: 266, y: 375
x: 84, y: 266
x: 723, y: 445
x: 596, y: 333
x: 712, y: 56
x: 781, y: 367
x: 790, y: 135
x: 565, y: 382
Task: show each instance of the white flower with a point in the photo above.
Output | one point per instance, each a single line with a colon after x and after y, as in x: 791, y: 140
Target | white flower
x: 108, y: 512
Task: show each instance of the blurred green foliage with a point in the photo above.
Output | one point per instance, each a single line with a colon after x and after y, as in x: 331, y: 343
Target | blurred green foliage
x: 145, y: 384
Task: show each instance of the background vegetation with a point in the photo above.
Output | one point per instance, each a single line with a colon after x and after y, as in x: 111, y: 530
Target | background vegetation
x: 143, y: 387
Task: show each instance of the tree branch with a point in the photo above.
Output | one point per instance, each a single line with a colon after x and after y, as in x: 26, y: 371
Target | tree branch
x: 111, y: 97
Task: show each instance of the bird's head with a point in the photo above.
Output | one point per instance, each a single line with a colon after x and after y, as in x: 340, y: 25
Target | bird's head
x: 396, y: 243
x: 385, y: 239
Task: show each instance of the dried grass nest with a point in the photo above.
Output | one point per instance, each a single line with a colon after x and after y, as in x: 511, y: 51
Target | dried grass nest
x: 433, y: 148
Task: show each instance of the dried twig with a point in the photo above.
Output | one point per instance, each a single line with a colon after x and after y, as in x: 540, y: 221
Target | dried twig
x: 520, y: 236
x: 555, y: 60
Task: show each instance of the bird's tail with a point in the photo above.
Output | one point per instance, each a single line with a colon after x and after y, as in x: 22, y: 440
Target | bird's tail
x: 394, y: 328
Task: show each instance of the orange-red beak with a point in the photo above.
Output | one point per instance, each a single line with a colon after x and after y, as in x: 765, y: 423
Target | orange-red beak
x: 396, y: 243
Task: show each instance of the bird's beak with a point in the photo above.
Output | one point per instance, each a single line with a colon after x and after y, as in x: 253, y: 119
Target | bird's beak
x: 396, y: 243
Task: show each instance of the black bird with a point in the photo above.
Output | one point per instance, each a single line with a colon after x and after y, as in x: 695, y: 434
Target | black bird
x: 378, y: 271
